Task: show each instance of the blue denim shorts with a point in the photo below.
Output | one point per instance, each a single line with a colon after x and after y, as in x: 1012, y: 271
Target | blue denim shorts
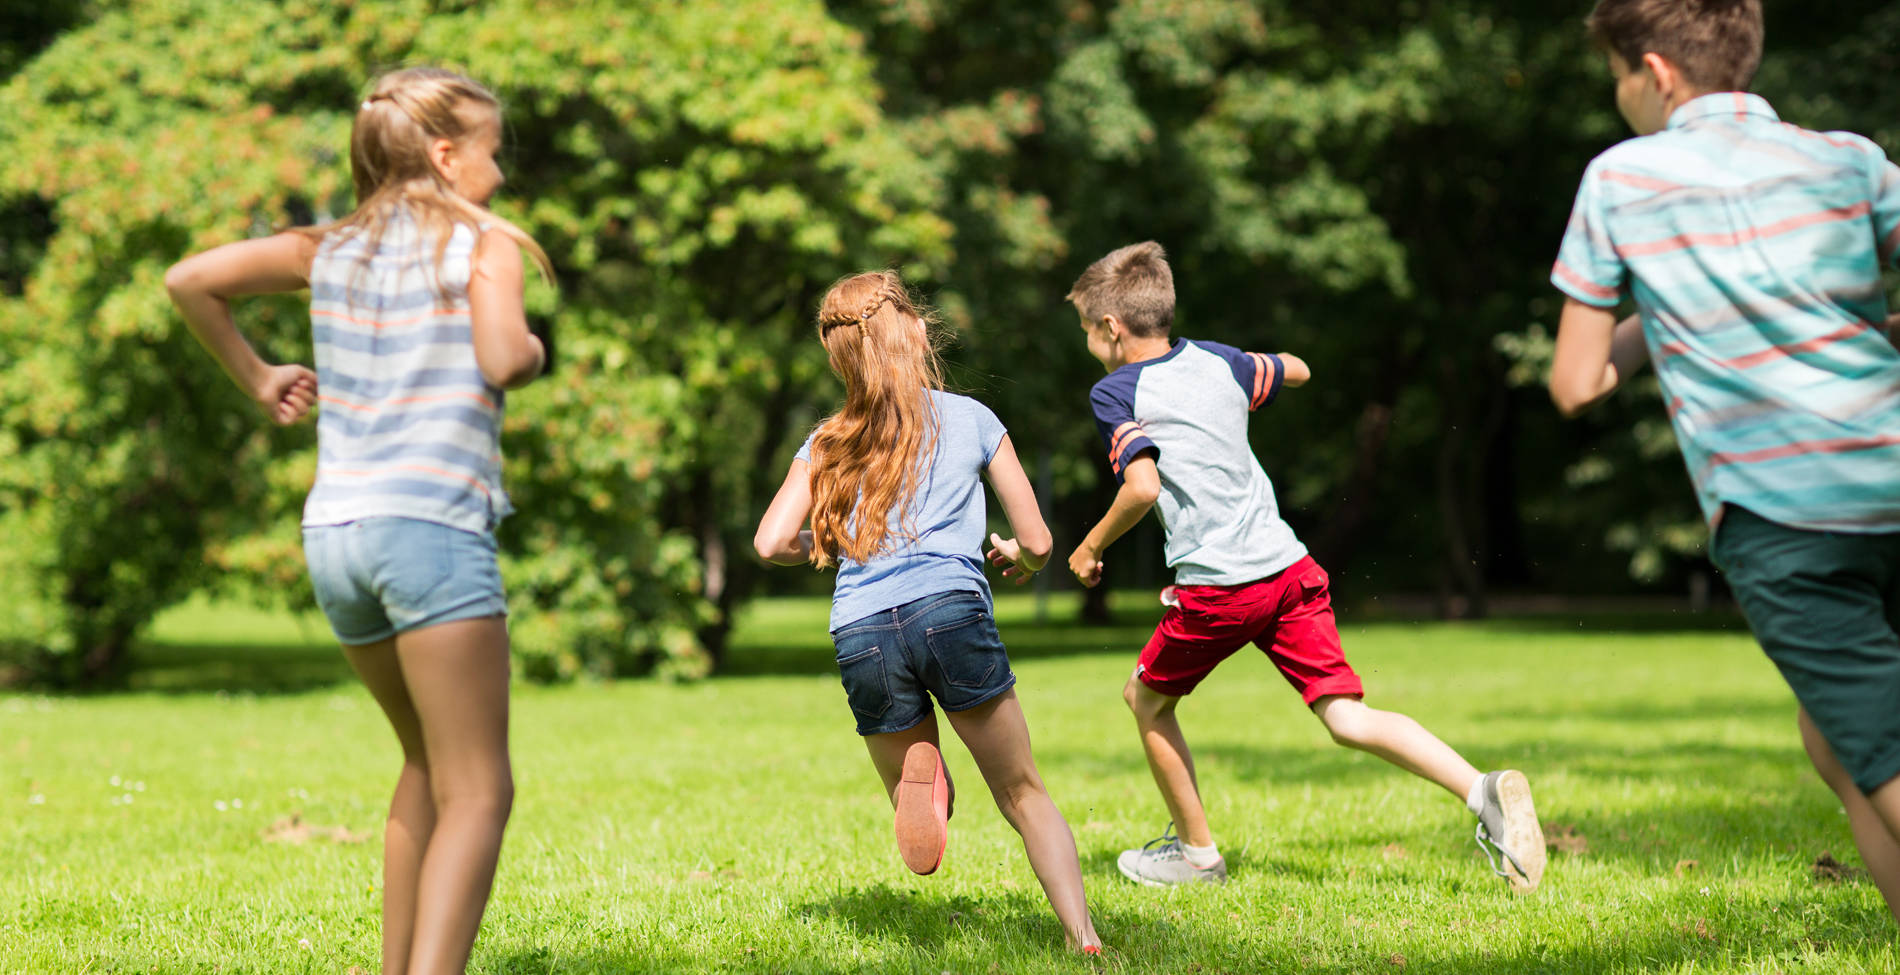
x: 377, y: 577
x: 894, y: 660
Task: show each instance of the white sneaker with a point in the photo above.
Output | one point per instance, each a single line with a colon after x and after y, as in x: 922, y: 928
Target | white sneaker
x: 1162, y: 863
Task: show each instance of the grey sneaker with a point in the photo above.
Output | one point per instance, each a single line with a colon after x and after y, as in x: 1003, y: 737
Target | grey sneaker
x: 1160, y: 863
x: 1508, y: 829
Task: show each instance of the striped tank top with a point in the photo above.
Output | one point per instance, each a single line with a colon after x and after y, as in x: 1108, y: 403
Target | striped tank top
x: 407, y: 427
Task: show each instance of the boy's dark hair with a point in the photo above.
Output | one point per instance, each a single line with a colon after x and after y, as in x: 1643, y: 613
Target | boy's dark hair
x: 1133, y: 284
x: 1715, y: 43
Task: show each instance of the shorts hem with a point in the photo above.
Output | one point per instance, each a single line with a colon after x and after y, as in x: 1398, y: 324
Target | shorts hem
x: 988, y: 696
x: 1333, y: 687
x: 486, y: 604
x: 894, y: 727
x: 1885, y: 771
x: 1167, y: 687
x: 381, y: 633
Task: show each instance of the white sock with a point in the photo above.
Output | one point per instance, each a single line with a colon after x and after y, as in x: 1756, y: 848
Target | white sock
x: 1201, y: 856
x: 1474, y: 800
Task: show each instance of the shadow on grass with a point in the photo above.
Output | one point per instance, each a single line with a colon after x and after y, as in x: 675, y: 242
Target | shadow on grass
x: 234, y: 669
x: 1678, y: 930
x: 814, y: 655
x: 807, y: 650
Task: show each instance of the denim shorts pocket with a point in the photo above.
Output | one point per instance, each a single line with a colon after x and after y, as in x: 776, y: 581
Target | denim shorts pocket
x: 865, y: 684
x: 968, y: 652
x: 420, y: 557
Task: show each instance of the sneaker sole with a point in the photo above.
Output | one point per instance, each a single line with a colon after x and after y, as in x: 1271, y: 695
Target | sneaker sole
x: 1138, y: 878
x: 1522, y: 833
x: 923, y: 800
x: 1215, y: 879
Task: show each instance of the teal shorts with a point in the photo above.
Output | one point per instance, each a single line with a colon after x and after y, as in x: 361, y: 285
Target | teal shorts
x: 1826, y: 608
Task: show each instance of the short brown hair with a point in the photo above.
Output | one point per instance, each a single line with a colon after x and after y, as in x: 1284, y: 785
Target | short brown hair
x: 1133, y: 284
x: 1716, y: 44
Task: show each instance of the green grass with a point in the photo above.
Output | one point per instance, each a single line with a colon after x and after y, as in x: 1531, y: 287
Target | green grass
x: 735, y: 825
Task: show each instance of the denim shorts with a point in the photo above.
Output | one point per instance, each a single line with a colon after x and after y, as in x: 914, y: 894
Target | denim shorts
x: 894, y: 660
x: 377, y: 577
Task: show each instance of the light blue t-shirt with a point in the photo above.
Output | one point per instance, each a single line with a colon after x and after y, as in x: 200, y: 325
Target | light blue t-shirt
x: 947, y: 518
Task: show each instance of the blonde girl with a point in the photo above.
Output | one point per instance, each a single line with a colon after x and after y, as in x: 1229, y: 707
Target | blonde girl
x: 416, y: 315
x: 891, y: 487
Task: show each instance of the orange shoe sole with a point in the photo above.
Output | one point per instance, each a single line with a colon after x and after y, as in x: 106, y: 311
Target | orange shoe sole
x: 923, y: 809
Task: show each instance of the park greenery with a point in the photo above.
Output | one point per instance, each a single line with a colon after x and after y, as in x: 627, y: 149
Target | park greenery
x: 734, y: 825
x: 1377, y: 186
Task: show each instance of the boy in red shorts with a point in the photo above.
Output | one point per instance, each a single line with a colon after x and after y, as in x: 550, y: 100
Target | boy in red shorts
x: 1173, y: 414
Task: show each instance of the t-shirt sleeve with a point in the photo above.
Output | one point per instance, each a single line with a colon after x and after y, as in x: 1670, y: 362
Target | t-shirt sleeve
x: 989, y: 430
x: 1113, y: 401
x: 1886, y: 204
x: 1260, y: 374
x: 804, y: 450
x: 1588, y: 267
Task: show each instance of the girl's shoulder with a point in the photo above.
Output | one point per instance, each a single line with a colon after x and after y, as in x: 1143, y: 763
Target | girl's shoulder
x: 957, y: 404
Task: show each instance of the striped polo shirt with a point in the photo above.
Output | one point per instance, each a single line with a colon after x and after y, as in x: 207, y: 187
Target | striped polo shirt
x: 1753, y: 249
x: 408, y: 427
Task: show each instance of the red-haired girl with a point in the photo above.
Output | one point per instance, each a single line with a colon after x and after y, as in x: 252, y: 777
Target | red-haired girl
x: 891, y: 486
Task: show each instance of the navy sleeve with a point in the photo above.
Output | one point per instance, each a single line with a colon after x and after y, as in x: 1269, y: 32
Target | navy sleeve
x: 1260, y: 374
x: 1113, y: 400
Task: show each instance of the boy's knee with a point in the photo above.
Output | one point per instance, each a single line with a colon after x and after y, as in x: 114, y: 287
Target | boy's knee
x: 1346, y: 720
x: 1146, y: 703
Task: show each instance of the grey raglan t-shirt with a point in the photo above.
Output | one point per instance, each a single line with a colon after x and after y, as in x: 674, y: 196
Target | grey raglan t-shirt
x: 1189, y: 409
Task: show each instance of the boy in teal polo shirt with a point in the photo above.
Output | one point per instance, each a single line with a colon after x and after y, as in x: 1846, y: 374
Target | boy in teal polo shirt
x: 1753, y: 251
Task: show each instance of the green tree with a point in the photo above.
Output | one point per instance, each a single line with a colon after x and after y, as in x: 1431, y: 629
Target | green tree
x: 1372, y: 185
x: 698, y: 172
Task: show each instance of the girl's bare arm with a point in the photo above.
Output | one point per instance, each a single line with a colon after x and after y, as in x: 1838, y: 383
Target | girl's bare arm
x: 508, y: 354
x: 1028, y: 551
x: 781, y: 538
x: 202, y: 287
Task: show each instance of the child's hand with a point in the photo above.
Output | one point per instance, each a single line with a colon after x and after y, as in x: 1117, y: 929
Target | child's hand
x: 286, y: 393
x: 1086, y: 566
x: 1008, y: 553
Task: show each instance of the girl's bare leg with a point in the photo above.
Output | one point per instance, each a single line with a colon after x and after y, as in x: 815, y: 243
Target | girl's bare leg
x: 887, y: 754
x: 457, y: 676
x: 998, y: 738
x: 411, y: 810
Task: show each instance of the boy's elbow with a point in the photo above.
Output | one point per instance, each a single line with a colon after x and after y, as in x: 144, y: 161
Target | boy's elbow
x: 1570, y: 404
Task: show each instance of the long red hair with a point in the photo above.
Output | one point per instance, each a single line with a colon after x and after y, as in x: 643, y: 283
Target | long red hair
x: 866, y: 458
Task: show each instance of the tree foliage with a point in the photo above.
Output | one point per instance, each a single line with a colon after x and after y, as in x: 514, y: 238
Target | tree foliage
x: 1379, y: 187
x: 698, y: 173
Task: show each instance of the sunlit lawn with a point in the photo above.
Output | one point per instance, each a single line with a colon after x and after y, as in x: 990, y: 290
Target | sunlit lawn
x: 736, y: 825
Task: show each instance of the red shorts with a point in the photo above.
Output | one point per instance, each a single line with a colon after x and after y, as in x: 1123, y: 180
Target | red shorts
x: 1289, y: 616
